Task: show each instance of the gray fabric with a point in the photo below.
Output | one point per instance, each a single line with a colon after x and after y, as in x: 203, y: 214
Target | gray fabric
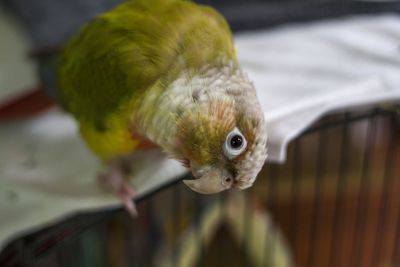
x: 50, y: 22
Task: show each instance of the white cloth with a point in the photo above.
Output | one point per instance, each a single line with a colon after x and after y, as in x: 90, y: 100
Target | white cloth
x: 17, y: 69
x: 301, y: 72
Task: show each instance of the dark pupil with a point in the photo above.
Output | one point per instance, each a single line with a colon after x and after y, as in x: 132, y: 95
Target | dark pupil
x: 236, y: 141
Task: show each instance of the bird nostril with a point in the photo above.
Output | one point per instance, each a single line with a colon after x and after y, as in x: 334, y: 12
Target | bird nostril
x: 228, y: 180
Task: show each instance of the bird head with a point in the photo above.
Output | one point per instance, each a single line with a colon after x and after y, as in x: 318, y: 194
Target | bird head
x: 222, y: 139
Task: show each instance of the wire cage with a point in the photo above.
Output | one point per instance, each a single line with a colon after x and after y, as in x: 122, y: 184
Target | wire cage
x: 335, y: 202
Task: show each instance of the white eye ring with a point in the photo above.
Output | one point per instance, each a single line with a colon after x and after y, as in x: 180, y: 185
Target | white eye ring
x: 231, y: 151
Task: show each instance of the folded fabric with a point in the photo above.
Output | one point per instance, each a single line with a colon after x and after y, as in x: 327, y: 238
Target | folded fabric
x: 304, y: 71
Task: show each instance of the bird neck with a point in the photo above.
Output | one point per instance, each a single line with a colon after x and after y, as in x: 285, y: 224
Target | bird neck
x: 159, y: 111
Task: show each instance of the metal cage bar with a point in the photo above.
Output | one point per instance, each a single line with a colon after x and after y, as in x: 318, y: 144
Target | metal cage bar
x: 310, y: 204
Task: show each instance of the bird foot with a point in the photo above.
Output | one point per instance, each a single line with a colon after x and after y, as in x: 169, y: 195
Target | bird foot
x: 116, y: 181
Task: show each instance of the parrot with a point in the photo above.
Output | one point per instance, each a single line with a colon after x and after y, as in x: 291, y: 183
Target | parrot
x: 166, y: 73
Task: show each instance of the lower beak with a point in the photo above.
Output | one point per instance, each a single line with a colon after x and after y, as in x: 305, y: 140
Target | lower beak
x: 214, y: 181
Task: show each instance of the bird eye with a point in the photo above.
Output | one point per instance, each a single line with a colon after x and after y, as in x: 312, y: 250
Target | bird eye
x: 235, y: 144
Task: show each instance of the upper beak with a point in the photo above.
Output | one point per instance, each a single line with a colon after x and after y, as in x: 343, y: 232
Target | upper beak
x: 214, y: 181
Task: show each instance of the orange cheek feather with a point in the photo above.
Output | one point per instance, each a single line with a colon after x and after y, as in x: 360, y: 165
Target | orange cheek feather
x: 144, y: 143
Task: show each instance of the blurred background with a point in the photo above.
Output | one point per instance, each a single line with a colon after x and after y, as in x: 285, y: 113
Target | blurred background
x: 334, y: 202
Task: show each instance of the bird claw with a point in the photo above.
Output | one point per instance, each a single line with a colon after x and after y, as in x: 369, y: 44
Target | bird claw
x: 126, y: 193
x: 116, y: 180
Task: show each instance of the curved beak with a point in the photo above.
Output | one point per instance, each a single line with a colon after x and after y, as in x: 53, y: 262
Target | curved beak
x: 214, y: 181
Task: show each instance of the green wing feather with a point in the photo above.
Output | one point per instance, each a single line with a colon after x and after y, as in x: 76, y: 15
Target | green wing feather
x: 123, y: 53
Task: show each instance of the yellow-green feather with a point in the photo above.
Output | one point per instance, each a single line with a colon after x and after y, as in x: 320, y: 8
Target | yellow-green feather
x: 138, y: 47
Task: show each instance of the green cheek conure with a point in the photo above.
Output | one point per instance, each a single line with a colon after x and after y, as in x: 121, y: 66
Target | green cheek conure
x: 164, y: 71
